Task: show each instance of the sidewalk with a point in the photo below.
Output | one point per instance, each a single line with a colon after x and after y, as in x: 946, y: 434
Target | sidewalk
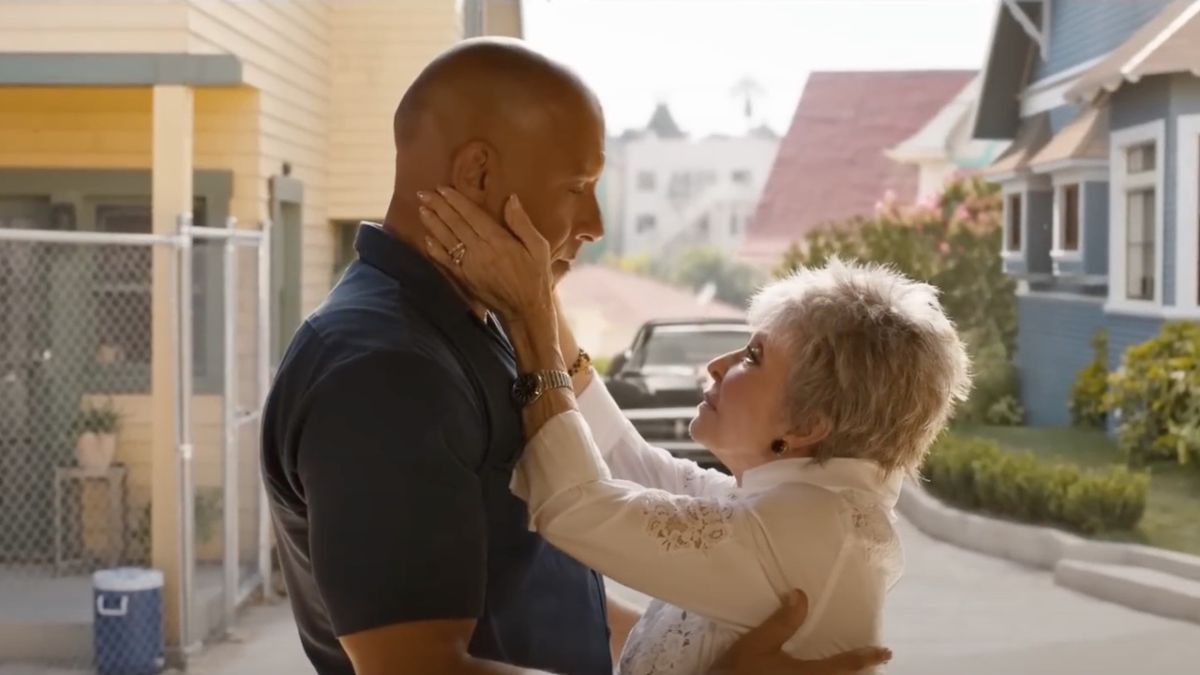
x: 265, y: 643
x: 957, y: 611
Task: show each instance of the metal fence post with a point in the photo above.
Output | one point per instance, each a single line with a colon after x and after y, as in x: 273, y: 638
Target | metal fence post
x: 264, y: 383
x: 231, y: 427
x: 186, y: 487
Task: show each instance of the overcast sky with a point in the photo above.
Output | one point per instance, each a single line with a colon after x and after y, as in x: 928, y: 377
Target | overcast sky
x: 690, y: 53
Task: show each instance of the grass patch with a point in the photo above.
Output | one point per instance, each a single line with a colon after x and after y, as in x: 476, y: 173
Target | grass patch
x: 1172, y: 518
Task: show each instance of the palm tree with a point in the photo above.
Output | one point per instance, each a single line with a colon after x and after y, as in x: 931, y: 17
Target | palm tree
x: 747, y: 90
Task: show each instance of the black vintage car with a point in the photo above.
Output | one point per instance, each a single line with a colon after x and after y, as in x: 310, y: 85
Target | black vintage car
x: 660, y: 379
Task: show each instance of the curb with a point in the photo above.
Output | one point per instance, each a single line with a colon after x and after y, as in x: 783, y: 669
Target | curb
x: 1106, y: 570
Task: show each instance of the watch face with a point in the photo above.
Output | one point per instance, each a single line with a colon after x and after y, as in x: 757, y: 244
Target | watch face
x: 526, y: 388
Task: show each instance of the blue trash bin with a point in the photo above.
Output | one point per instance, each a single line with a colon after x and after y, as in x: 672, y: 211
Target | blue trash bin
x: 127, y: 628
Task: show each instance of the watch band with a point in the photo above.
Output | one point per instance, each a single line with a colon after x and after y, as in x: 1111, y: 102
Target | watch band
x: 531, y: 386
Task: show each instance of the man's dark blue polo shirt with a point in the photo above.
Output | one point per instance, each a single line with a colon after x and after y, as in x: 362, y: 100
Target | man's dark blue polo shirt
x: 388, y: 443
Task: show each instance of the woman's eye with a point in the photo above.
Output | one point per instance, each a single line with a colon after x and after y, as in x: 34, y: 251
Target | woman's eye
x: 751, y: 355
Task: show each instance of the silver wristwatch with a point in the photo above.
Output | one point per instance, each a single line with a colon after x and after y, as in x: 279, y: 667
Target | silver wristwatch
x: 531, y: 386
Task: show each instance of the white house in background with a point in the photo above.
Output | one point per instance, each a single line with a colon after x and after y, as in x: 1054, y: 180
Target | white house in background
x: 665, y: 190
x: 945, y: 146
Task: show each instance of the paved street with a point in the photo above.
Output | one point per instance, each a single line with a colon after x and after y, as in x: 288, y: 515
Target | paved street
x: 958, y: 612
x: 954, y: 612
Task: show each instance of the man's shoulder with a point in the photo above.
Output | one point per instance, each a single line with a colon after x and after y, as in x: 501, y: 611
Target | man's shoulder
x: 369, y: 348
x: 369, y: 313
x: 367, y: 304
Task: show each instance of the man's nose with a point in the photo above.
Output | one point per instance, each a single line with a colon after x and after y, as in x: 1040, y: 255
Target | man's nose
x: 590, y: 225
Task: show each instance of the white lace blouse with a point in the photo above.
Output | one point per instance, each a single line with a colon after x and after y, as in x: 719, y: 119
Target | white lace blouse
x: 716, y: 555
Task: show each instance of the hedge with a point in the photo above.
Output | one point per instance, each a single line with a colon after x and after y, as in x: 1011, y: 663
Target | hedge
x: 977, y: 475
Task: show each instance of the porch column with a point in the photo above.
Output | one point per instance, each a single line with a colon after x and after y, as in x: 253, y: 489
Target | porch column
x: 171, y: 195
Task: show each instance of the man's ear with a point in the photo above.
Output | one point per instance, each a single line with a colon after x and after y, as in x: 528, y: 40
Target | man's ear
x: 471, y: 169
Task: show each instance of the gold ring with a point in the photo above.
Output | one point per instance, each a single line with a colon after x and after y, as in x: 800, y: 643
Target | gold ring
x: 458, y: 253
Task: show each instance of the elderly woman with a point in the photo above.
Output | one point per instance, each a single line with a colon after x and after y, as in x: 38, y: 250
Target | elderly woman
x: 851, y: 374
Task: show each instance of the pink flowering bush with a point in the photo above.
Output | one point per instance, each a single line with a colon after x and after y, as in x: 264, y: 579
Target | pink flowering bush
x: 953, y: 242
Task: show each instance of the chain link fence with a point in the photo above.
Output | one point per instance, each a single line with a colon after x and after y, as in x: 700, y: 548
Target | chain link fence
x: 82, y: 452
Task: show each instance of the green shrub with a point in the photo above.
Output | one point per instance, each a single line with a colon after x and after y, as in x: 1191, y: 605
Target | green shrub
x: 1156, y: 395
x: 1087, y: 404
x: 601, y: 364
x: 1005, y: 412
x: 950, y: 468
x: 977, y: 474
x: 993, y: 381
x: 103, y: 419
x: 1106, y: 500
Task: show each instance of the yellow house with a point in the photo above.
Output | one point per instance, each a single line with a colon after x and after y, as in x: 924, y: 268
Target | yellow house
x: 119, y: 117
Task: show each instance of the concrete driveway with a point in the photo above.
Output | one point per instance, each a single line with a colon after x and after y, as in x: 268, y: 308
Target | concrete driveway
x: 954, y: 612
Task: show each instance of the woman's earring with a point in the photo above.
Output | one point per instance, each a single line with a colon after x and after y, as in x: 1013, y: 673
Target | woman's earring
x: 779, y: 446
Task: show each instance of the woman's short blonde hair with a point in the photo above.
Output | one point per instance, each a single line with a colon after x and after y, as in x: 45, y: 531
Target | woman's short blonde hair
x: 873, y: 352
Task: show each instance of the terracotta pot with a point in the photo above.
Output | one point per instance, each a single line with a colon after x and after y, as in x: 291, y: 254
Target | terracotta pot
x: 94, y: 451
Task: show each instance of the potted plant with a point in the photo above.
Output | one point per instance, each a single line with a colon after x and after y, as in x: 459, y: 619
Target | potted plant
x: 97, y: 442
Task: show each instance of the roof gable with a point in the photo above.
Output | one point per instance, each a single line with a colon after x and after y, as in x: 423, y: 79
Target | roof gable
x: 1008, y: 70
x: 832, y: 165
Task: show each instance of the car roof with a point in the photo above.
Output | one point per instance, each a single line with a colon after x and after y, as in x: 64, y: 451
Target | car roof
x: 697, y: 322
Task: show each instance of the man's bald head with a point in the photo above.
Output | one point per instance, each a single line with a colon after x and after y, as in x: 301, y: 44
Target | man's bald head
x: 491, y: 118
x: 483, y: 83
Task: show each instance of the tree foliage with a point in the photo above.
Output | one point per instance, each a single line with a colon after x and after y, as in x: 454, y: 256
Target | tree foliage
x: 952, y: 241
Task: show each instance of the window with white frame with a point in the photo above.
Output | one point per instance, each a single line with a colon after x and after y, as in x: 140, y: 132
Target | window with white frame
x: 1012, y: 222
x: 1067, y: 234
x: 1187, y: 213
x: 1140, y: 186
x: 646, y: 181
x: 646, y: 222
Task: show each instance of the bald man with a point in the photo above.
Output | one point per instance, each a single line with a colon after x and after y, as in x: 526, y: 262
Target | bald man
x: 391, y: 430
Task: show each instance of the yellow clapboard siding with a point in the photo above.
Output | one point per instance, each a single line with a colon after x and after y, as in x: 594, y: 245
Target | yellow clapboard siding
x: 64, y: 141
x: 59, y: 119
x: 90, y: 15
x: 294, y: 23
x: 287, y: 130
x: 284, y: 49
x: 106, y: 41
x: 378, y: 48
x: 235, y: 25
x: 75, y: 100
x: 322, y: 80
x: 268, y: 58
x: 277, y: 145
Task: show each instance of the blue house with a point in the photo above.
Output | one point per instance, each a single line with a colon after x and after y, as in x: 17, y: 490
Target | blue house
x: 1102, y: 102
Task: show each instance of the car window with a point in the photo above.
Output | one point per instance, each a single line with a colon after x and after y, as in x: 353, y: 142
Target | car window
x: 688, y: 348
